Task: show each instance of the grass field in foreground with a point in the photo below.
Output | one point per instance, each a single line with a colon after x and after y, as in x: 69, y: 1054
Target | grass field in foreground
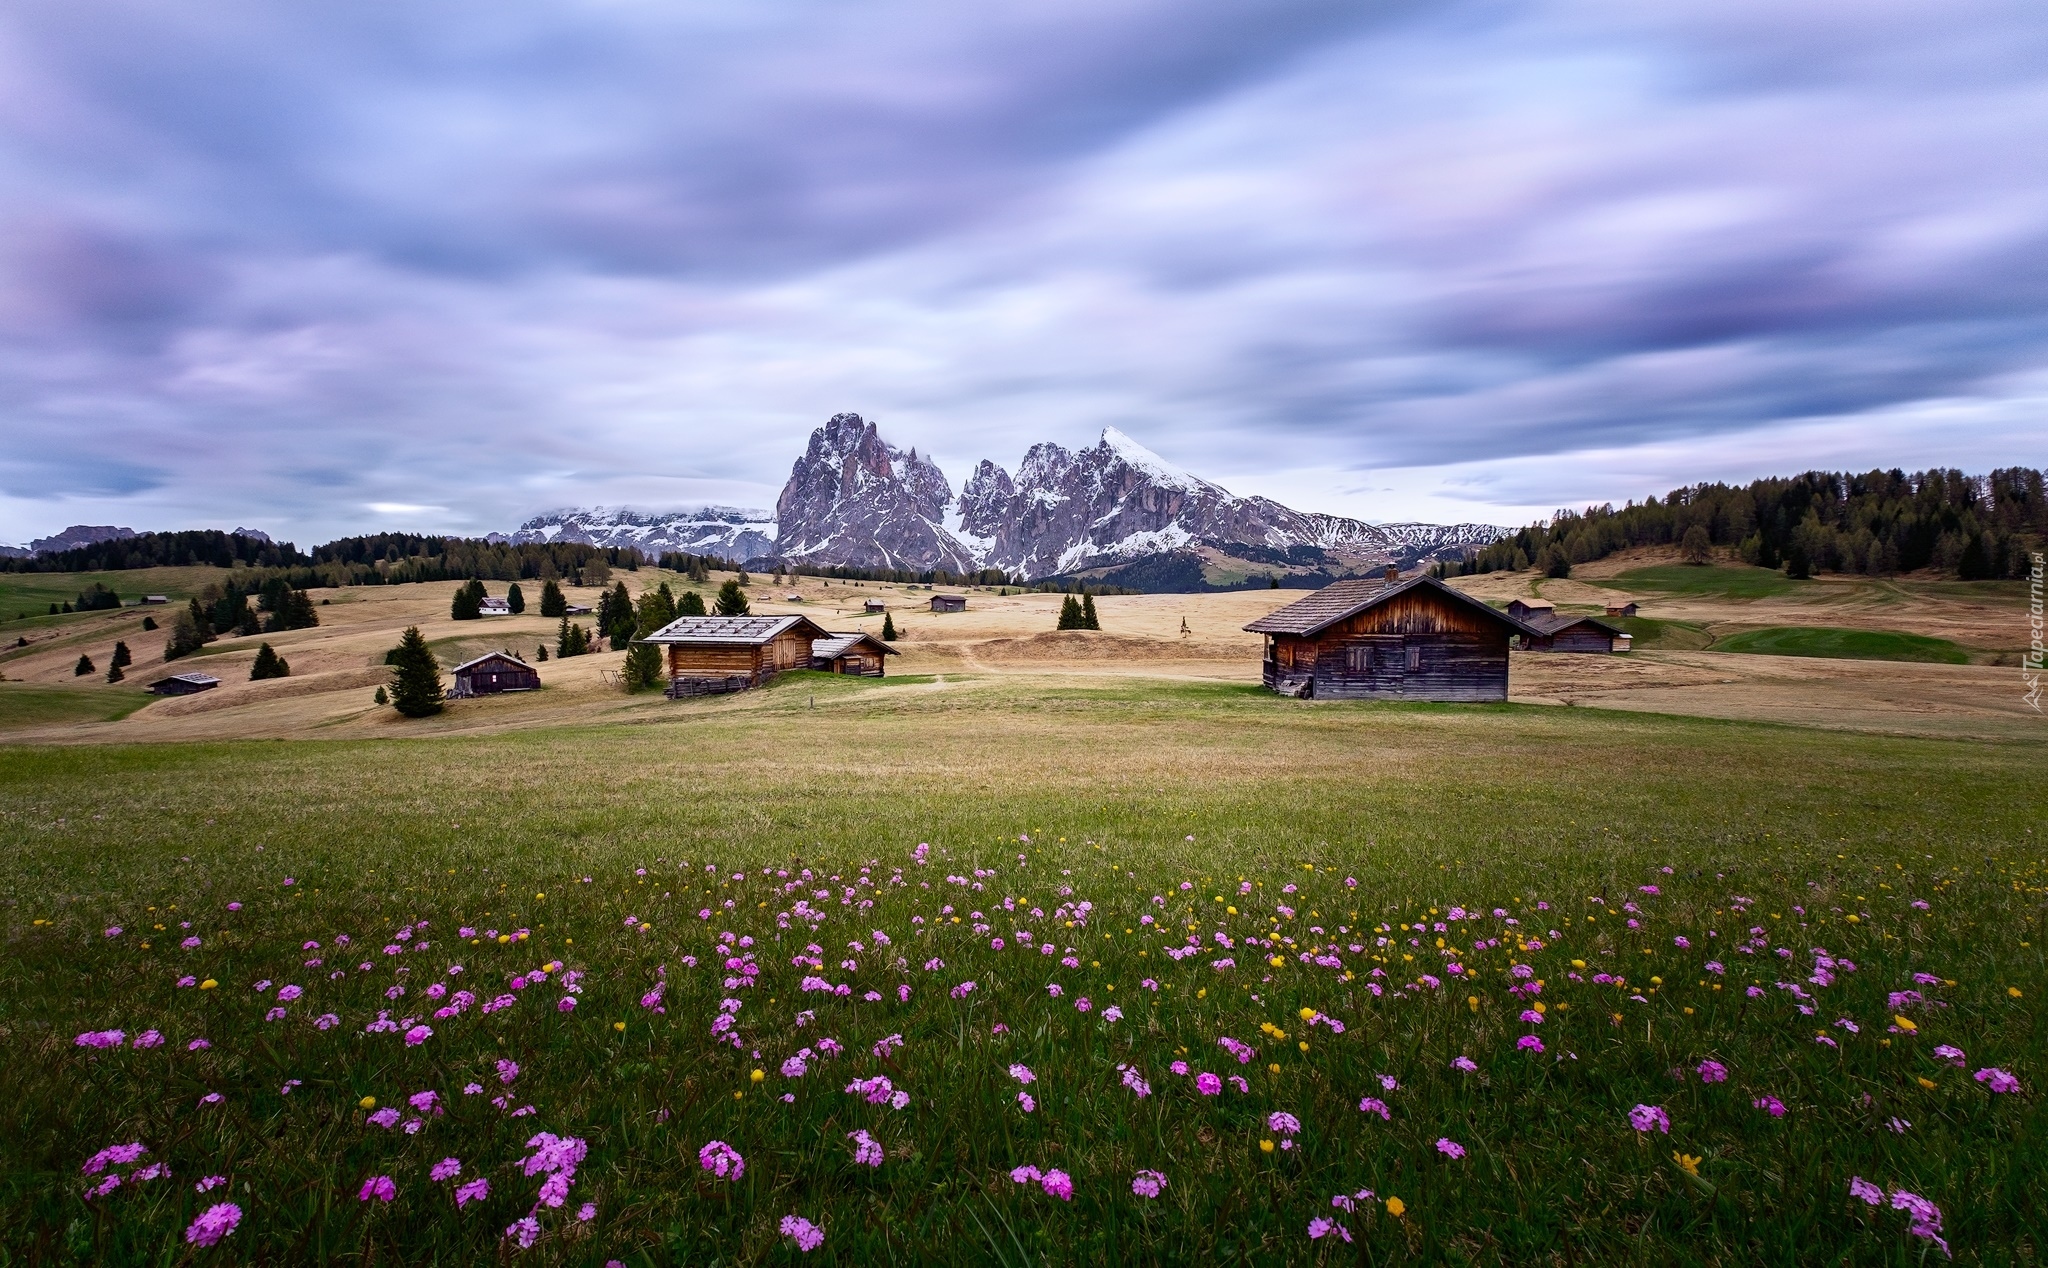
x: 1841, y: 644
x: 1412, y: 875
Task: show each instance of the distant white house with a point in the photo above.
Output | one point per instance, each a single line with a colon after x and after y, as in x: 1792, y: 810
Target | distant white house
x: 494, y: 607
x: 151, y: 600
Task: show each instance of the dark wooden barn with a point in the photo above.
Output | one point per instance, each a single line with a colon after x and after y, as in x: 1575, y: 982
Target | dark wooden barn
x: 1388, y: 639
x: 949, y: 603
x: 874, y: 607
x: 493, y: 673
x: 710, y: 654
x: 1621, y: 609
x: 856, y: 653
x: 184, y: 684
x: 1558, y: 632
x: 1524, y: 609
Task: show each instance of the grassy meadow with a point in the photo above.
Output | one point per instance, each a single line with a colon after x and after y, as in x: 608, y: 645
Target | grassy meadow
x: 1841, y: 644
x: 1760, y: 944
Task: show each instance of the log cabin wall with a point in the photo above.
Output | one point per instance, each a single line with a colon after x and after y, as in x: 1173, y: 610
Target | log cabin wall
x: 711, y: 660
x: 1414, y: 646
x: 1579, y: 638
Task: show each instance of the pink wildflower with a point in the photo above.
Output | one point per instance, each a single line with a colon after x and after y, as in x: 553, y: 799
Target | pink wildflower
x: 1147, y: 1184
x: 722, y: 1160
x: 418, y: 1035
x: 1374, y: 1105
x: 1450, y: 1148
x: 1711, y: 1071
x: 474, y: 1191
x: 807, y: 1236
x: 1997, y: 1080
x: 1770, y: 1105
x: 446, y: 1169
x: 1208, y: 1084
x: 379, y: 1187
x: 1646, y: 1117
x: 1321, y: 1227
x: 214, y: 1223
x: 1059, y: 1184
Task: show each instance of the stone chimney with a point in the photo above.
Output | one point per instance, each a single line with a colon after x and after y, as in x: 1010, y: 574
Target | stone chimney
x: 1393, y: 573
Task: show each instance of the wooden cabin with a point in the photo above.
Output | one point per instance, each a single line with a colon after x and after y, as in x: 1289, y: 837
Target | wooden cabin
x: 184, y: 684
x: 1387, y: 639
x: 874, y: 607
x: 856, y: 653
x: 1621, y: 609
x: 494, y: 607
x: 155, y: 600
x: 493, y: 674
x: 949, y: 603
x: 1524, y: 609
x: 710, y: 654
x: 1551, y: 632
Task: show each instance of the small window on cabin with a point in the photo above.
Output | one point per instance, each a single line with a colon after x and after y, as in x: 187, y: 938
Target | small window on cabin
x: 1361, y: 660
x: 1415, y: 658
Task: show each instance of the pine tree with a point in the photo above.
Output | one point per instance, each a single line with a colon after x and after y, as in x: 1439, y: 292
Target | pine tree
x: 551, y: 601
x: 122, y: 656
x: 1088, y: 618
x: 691, y: 604
x: 83, y: 667
x: 1070, y: 614
x: 416, y: 677
x: 620, y: 622
x: 732, y: 601
x: 888, y: 628
x: 187, y: 636
x: 114, y: 673
x: 380, y: 697
x: 148, y: 622
x: 515, y: 599
x: 643, y: 667
x: 655, y: 609
x: 1696, y: 547
x: 269, y: 665
x: 468, y: 604
x: 543, y: 651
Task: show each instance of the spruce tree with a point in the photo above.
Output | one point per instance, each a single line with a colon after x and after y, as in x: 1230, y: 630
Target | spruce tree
x: 691, y: 604
x: 732, y: 601
x: 83, y: 667
x: 268, y: 665
x: 643, y: 667
x: 620, y: 622
x: 655, y: 609
x: 1088, y: 618
x: 888, y: 628
x: 187, y: 636
x: 380, y: 697
x: 122, y: 656
x: 148, y: 622
x: 114, y: 673
x: 468, y: 604
x: 515, y: 599
x: 1070, y: 614
x: 543, y: 651
x: 551, y: 601
x: 416, y: 676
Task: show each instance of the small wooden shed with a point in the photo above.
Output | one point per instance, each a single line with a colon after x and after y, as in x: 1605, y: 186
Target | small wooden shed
x: 710, y: 654
x: 1524, y: 609
x: 874, y: 607
x: 1621, y: 609
x: 189, y: 684
x: 949, y: 603
x: 494, y: 607
x: 1388, y: 639
x: 855, y: 653
x: 492, y: 674
x: 1552, y: 632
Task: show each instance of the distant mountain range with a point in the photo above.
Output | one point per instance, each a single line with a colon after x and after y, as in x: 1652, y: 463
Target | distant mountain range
x: 1114, y: 512
x: 92, y: 535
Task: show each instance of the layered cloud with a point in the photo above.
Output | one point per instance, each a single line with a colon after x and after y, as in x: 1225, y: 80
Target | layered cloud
x: 332, y: 267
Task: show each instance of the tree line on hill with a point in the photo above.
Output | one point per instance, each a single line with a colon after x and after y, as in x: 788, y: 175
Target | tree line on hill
x: 224, y: 609
x: 1975, y: 528
x: 164, y: 550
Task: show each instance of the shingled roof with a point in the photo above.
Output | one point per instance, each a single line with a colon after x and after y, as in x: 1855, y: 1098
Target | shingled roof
x: 1341, y: 600
x: 840, y: 644
x: 1552, y: 622
x: 738, y: 631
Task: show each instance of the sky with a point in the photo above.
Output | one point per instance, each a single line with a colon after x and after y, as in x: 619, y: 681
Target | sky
x: 325, y: 267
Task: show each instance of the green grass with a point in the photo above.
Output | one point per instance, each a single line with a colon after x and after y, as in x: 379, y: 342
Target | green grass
x: 1841, y: 644
x: 1683, y: 636
x: 22, y: 705
x: 1126, y: 793
x: 1727, y: 581
x: 31, y: 593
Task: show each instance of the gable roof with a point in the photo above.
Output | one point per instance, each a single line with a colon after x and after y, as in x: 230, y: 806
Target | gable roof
x: 1554, y: 622
x: 733, y: 631
x: 839, y: 644
x: 504, y: 656
x: 1342, y: 600
x: 193, y: 676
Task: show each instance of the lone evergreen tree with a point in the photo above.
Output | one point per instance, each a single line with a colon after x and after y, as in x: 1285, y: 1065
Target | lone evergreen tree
x: 1088, y: 619
x: 732, y: 601
x: 515, y: 599
x: 468, y: 604
x: 1696, y: 547
x: 643, y: 667
x: 380, y: 697
x: 186, y: 637
x: 148, y: 622
x: 83, y: 667
x: 114, y: 673
x: 122, y: 656
x: 543, y: 651
x: 888, y: 628
x: 691, y: 604
x: 269, y: 665
x: 416, y: 676
x: 551, y: 601
x: 1070, y: 614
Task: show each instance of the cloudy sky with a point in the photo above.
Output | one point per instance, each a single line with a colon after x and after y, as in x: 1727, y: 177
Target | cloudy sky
x: 327, y: 267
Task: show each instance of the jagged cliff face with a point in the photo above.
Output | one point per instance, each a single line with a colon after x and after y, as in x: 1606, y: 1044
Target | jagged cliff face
x: 854, y: 499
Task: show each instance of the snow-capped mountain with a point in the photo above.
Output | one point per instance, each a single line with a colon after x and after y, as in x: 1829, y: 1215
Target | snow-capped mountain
x: 733, y: 532
x: 1114, y: 509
